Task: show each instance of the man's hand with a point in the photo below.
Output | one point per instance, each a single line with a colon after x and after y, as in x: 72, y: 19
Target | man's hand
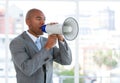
x: 52, y: 23
x: 52, y: 39
x: 60, y: 37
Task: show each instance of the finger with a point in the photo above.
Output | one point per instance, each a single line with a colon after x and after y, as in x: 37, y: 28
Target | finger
x: 53, y: 23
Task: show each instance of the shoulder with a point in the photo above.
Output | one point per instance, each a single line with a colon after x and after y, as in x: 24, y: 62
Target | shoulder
x: 17, y: 39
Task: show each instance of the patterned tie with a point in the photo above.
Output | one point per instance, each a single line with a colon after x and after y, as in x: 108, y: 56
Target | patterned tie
x: 38, y: 44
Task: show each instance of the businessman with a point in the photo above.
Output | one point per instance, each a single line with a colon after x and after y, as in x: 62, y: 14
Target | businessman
x: 33, y: 61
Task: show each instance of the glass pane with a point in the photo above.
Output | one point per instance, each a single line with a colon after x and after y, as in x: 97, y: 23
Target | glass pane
x: 99, y: 36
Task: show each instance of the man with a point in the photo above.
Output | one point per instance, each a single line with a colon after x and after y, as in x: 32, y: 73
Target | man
x: 34, y: 64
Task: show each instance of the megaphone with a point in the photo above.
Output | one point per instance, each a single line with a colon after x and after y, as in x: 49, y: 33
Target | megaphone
x: 69, y: 28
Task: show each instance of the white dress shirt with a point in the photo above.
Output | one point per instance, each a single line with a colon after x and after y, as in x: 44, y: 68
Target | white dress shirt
x: 35, y: 40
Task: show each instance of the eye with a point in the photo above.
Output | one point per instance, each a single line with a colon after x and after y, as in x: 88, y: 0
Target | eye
x: 39, y: 19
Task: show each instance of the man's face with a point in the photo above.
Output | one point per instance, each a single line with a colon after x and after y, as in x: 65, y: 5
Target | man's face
x: 36, y: 20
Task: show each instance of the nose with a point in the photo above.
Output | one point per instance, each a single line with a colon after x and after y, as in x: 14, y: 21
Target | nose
x: 42, y: 22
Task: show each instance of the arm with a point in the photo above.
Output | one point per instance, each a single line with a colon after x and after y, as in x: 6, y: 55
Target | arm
x: 63, y: 54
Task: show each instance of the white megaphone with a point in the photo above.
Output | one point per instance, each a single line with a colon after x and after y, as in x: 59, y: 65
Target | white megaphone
x: 69, y: 28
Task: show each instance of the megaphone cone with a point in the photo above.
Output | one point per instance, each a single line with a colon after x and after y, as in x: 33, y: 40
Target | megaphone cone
x: 69, y: 28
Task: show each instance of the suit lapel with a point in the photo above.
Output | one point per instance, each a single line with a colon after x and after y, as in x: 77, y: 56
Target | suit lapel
x: 29, y: 41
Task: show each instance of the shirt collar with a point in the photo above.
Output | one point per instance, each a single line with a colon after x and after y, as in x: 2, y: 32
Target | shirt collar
x: 32, y: 36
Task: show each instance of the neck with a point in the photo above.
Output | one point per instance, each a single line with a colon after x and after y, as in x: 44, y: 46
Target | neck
x: 33, y: 34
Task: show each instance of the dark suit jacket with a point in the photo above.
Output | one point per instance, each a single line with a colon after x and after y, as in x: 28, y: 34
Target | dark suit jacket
x: 29, y: 61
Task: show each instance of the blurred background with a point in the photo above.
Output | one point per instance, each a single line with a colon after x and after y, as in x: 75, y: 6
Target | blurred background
x: 96, y: 50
